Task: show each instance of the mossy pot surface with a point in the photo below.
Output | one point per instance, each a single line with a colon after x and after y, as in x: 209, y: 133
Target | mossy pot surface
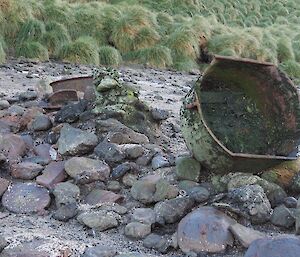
x: 242, y: 115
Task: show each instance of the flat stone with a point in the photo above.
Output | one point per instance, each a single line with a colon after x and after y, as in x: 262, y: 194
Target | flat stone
x: 137, y: 230
x: 26, y: 170
x: 98, y: 196
x: 100, y: 251
x: 188, y: 168
x: 282, y: 217
x: 204, y: 230
x: 100, y: 220
x: 26, y: 198
x: 28, y: 95
x: 66, y: 212
x: 53, y: 173
x: 86, y: 170
x: 65, y: 193
x: 109, y: 152
x: 271, y: 247
x: 144, y: 215
x: 12, y: 146
x: 4, y: 183
x: 41, y: 123
x: 23, y: 252
x: 73, y: 141
x: 245, y: 235
x: 171, y: 211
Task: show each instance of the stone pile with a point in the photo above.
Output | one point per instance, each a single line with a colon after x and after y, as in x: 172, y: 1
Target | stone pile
x: 81, y: 166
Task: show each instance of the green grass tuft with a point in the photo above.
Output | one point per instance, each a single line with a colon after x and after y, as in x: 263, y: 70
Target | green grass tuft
x: 31, y: 30
x: 109, y: 56
x: 285, y: 50
x: 83, y: 50
x: 32, y: 50
x: 292, y: 68
x: 157, y: 56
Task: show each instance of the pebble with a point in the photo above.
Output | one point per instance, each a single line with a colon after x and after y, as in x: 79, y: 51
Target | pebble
x: 198, y: 194
x: 159, y: 161
x: 16, y: 110
x: 86, y: 170
x: 144, y: 215
x: 282, y: 217
x: 133, y: 151
x: 129, y: 179
x: 4, y: 183
x: 137, y: 230
x: 122, y: 169
x: 73, y: 141
x: 26, y: 170
x: 99, y: 220
x: 28, y: 95
x: 188, y: 168
x: 41, y: 123
x: 290, y: 202
x: 100, y: 251
x: 4, y: 104
x: 159, y: 114
x: 66, y: 212
x: 99, y: 196
x: 65, y: 193
x: 114, y: 186
x: 71, y: 112
x: 109, y: 152
x: 23, y: 252
x: 156, y: 242
x: 53, y: 174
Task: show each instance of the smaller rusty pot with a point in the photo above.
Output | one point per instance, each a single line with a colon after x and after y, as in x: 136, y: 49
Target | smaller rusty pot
x: 242, y: 115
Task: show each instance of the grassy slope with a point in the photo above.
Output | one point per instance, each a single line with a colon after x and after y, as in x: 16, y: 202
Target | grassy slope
x: 160, y: 33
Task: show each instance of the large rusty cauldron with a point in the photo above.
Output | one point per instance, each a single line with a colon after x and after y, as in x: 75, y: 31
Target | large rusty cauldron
x: 242, y: 115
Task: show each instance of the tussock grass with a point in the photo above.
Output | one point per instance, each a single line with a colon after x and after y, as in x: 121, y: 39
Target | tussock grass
x: 83, y: 50
x: 32, y: 50
x: 109, y: 56
x: 31, y: 30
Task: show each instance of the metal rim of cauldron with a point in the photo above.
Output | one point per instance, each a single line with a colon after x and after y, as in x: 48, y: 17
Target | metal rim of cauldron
x: 213, y: 136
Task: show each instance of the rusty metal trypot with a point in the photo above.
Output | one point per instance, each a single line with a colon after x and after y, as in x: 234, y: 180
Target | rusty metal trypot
x: 242, y: 115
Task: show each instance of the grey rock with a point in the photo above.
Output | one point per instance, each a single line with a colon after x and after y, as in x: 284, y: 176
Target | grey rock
x: 109, y: 152
x: 290, y: 202
x: 26, y: 170
x: 65, y: 193
x: 188, y: 168
x: 159, y: 114
x: 156, y: 242
x: 159, y: 161
x: 129, y: 179
x: 122, y: 169
x: 282, y: 217
x: 204, y: 230
x: 131, y: 255
x: 100, y: 251
x: 145, y: 159
x: 100, y: 220
x: 133, y: 151
x: 4, y: 183
x: 74, y: 141
x: 186, y: 185
x: 137, y: 230
x: 170, y: 211
x: 71, y: 112
x: 28, y: 95
x: 269, y: 247
x: 86, y: 170
x: 23, y: 252
x: 144, y: 215
x: 66, y: 212
x: 114, y: 186
x: 252, y: 200
x: 41, y: 123
x: 198, y: 194
x: 4, y: 104
x: 16, y: 110
x: 245, y: 235
x: 99, y: 196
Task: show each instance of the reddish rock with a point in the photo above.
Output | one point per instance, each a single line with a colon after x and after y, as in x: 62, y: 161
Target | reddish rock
x: 29, y: 115
x: 4, y: 183
x: 102, y: 196
x: 204, y: 230
x: 43, y: 150
x: 52, y: 174
x: 26, y: 170
x: 26, y: 198
x: 12, y: 146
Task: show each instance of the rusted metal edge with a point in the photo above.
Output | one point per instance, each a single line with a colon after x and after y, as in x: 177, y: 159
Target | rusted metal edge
x: 56, y: 85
